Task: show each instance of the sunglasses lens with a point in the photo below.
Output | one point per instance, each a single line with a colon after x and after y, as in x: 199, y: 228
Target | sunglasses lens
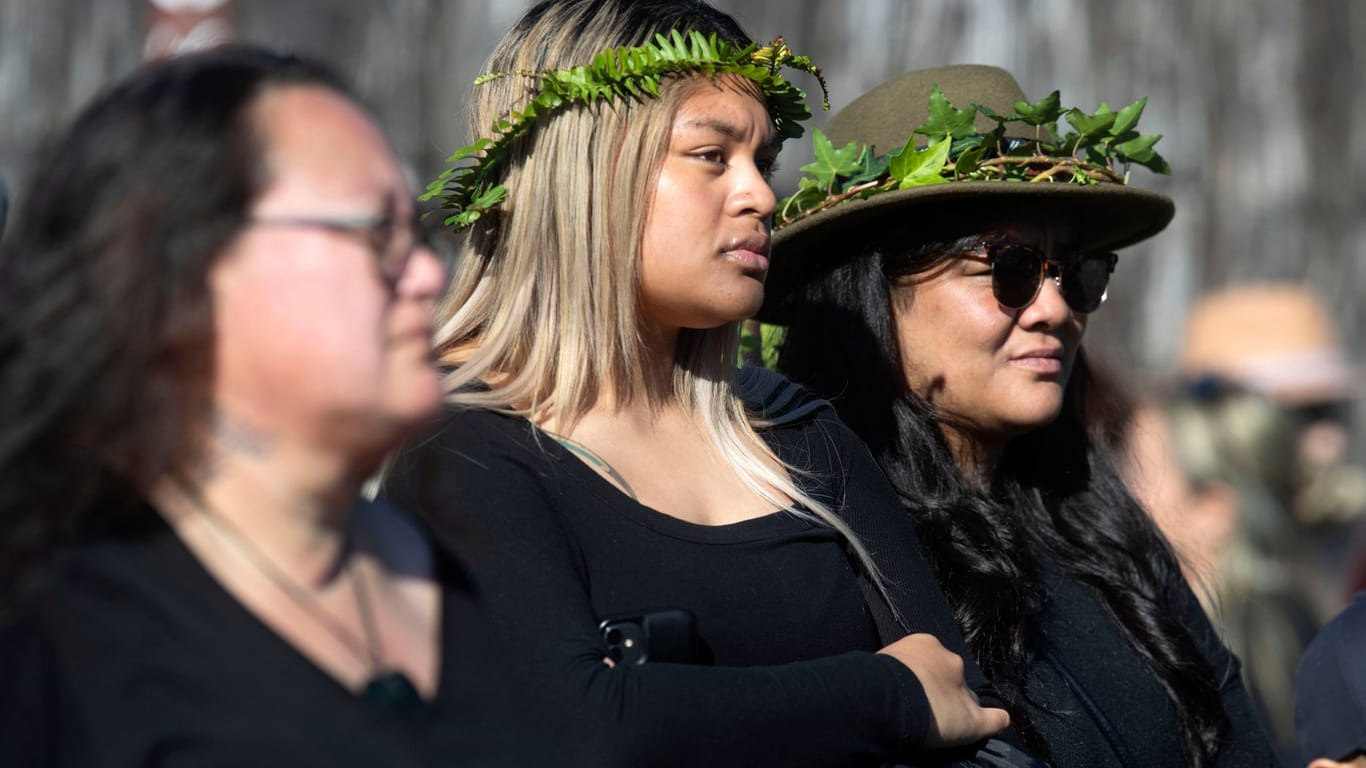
x: 1085, y: 280
x: 1015, y: 274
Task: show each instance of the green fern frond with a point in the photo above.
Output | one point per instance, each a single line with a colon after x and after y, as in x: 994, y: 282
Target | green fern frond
x: 1099, y: 151
x: 467, y: 190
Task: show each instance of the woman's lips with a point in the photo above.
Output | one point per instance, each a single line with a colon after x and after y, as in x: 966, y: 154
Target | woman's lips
x: 751, y: 253
x: 1038, y: 364
x: 750, y: 261
x: 1045, y: 361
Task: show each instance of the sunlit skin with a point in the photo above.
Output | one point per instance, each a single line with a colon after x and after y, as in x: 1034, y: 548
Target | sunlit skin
x: 995, y: 373
x: 705, y: 252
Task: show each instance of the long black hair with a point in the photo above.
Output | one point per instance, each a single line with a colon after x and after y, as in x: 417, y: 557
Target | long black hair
x: 1056, y: 495
x: 106, y: 333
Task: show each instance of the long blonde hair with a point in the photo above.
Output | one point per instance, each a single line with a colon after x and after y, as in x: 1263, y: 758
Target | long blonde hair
x: 543, y: 306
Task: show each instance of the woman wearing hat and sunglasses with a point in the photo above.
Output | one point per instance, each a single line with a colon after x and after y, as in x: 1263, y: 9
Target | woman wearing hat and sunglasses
x: 938, y: 294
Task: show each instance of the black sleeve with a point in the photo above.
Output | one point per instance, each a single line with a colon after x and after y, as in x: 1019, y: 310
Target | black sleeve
x: 872, y: 509
x: 1245, y: 744
x: 866, y: 500
x: 490, y: 494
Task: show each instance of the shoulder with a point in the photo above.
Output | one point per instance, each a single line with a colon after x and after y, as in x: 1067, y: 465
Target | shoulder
x: 83, y: 593
x: 776, y: 400
x: 802, y: 427
x: 469, y: 441
x: 1332, y: 677
x: 459, y: 424
x: 104, y: 612
x: 1330, y: 687
x: 477, y: 474
x: 1347, y: 625
x: 104, y: 574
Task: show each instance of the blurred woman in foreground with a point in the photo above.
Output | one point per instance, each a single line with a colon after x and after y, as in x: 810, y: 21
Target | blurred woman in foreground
x: 216, y: 323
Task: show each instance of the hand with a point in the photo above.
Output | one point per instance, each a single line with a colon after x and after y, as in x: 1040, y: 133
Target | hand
x: 956, y: 717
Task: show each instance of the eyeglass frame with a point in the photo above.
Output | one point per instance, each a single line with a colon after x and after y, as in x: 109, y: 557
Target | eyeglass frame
x: 1048, y: 267
x: 378, y: 231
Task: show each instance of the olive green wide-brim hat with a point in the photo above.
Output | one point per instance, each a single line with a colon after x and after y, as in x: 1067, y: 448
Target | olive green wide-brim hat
x: 1103, y: 216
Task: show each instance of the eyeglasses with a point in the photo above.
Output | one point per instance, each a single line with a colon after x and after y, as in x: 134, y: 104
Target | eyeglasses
x: 1018, y: 271
x: 392, y: 242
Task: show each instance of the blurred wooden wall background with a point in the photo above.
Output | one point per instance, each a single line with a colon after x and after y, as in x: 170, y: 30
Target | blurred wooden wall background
x: 1261, y: 104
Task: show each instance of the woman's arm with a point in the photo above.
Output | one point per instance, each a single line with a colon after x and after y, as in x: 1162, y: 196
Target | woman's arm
x: 492, y: 496
x: 870, y: 506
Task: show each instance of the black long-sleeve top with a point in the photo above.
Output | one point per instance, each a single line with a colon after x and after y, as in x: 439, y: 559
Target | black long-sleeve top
x: 1094, y: 700
x: 556, y: 549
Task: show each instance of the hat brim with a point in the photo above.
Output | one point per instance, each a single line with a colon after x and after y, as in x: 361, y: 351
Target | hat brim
x: 1102, y: 217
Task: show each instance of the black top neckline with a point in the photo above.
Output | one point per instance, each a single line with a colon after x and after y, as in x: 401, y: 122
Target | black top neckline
x: 179, y: 558
x: 778, y: 523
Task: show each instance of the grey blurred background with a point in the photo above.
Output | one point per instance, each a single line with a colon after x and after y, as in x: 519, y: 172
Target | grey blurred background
x: 1259, y: 102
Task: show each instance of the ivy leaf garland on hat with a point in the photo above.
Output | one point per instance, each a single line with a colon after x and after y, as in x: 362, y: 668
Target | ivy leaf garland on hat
x: 470, y: 188
x: 1094, y: 152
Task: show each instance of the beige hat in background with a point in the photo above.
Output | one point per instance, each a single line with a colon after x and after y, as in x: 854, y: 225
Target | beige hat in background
x: 1274, y: 338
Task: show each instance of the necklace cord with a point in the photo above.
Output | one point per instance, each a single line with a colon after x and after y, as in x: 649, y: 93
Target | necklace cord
x: 365, y: 649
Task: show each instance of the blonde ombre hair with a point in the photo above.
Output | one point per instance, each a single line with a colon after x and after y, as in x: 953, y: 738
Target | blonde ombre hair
x: 542, y: 317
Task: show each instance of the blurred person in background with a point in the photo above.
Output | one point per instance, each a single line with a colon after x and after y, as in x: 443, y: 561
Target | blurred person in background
x: 215, y: 320
x: 1218, y: 466
x: 1356, y: 561
x: 4, y: 205
x: 1278, y: 339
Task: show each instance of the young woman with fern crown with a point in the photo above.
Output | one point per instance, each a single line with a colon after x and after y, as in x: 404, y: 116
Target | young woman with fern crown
x: 601, y: 454
x: 936, y: 282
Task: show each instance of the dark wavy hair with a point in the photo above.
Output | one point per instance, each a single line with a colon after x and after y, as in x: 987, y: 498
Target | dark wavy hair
x: 106, y: 332
x: 1056, y: 494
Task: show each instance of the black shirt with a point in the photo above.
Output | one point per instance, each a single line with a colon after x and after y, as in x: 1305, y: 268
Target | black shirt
x: 792, y: 571
x: 1097, y: 702
x: 556, y: 549
x: 1094, y: 700
x: 133, y: 655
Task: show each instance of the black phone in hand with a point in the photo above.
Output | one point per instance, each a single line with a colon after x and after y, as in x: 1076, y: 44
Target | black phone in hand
x: 663, y: 635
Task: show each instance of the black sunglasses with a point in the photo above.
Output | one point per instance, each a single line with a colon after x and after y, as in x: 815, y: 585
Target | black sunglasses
x: 1018, y: 271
